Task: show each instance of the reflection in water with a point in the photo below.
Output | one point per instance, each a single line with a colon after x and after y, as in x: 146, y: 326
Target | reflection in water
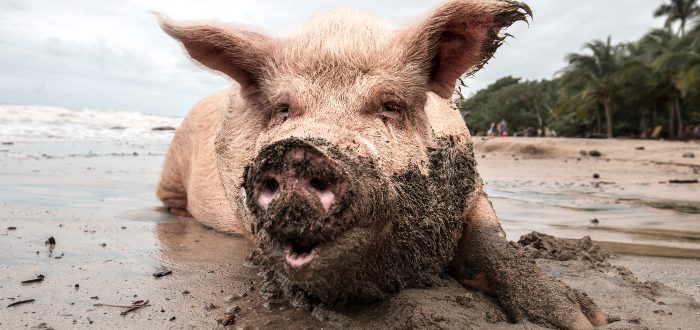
x: 626, y: 224
x: 184, y: 240
x: 210, y: 268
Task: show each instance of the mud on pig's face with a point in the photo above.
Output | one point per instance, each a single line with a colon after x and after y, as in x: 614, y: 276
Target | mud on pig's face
x: 347, y: 185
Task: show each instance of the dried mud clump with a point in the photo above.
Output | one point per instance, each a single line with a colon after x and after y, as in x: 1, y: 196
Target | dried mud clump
x: 542, y: 246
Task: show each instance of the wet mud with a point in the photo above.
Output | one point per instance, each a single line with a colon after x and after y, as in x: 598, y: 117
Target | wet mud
x: 543, y: 246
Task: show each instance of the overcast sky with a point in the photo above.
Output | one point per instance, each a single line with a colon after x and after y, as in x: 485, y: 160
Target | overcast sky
x: 111, y: 55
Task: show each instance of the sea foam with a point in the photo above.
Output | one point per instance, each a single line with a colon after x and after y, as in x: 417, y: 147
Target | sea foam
x: 42, y: 123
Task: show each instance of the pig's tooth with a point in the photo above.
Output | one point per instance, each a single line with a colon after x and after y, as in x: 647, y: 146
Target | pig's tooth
x: 296, y: 260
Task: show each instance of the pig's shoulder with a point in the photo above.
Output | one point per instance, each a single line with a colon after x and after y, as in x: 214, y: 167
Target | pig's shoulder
x: 210, y: 105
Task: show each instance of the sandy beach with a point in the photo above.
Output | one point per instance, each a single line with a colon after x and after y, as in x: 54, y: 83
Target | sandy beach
x: 96, y: 199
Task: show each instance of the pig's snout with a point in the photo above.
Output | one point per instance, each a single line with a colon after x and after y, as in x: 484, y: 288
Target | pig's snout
x: 298, y: 169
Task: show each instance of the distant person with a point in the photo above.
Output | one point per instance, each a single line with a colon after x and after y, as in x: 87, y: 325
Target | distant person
x: 696, y: 132
x: 502, y: 128
x: 492, y: 130
x: 530, y: 132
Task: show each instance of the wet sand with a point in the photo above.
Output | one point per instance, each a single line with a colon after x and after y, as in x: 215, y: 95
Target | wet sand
x: 97, y: 201
x: 547, y: 185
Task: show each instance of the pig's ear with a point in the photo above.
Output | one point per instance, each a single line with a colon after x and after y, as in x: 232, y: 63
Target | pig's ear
x: 458, y: 38
x: 238, y: 53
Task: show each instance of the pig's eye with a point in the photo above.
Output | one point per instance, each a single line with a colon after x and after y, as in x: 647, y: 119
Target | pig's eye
x: 391, y: 109
x: 284, y: 108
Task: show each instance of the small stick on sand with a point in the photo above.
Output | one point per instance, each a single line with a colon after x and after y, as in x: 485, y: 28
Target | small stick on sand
x: 110, y: 305
x: 20, y: 302
x: 39, y: 278
x: 129, y: 308
x: 684, y: 181
x: 134, y: 308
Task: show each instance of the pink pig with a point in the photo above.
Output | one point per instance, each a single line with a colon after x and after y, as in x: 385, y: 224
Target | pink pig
x: 339, y: 151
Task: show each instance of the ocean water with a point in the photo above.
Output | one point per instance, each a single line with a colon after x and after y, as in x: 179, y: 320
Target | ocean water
x: 21, y: 123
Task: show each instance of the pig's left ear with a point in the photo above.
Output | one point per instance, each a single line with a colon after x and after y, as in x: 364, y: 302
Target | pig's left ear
x: 458, y: 38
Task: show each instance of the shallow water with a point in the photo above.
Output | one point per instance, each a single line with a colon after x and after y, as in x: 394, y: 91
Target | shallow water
x: 568, y: 210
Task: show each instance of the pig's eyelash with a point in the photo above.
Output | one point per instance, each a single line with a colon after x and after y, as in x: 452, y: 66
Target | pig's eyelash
x: 391, y: 107
x: 283, y: 108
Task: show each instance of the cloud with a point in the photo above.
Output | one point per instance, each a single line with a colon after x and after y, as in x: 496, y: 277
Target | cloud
x: 112, y: 55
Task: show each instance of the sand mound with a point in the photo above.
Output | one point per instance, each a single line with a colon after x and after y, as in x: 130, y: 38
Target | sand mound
x: 532, y: 148
x: 542, y: 246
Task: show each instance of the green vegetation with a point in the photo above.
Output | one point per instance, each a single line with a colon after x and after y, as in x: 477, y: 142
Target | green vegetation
x: 608, y: 90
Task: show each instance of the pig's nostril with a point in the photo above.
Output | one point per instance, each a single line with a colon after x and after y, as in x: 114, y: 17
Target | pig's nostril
x: 319, y: 184
x: 270, y: 185
x: 268, y: 190
x: 323, y: 191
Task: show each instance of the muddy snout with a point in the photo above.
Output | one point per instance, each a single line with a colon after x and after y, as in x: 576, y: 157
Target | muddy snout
x: 293, y: 171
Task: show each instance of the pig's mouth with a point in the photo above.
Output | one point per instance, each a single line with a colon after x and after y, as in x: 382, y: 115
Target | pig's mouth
x: 299, y: 252
x: 308, y: 257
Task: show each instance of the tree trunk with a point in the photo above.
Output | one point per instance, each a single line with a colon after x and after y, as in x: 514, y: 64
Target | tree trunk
x: 682, y: 28
x: 608, y: 118
x: 540, y: 122
x: 643, y: 124
x: 681, y: 129
x: 671, y: 121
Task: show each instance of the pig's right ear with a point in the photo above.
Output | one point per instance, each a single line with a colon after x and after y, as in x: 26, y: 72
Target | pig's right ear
x: 458, y: 38
x: 238, y: 53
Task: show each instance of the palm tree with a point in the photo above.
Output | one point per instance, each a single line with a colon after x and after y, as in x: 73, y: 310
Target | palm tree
x: 678, y: 10
x: 664, y: 68
x: 590, y: 81
x: 640, y: 86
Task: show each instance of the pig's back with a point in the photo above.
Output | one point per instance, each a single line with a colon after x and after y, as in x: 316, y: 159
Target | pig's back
x: 190, y: 168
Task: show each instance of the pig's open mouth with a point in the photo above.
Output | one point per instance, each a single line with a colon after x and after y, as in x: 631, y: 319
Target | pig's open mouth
x: 300, y: 252
x: 306, y: 257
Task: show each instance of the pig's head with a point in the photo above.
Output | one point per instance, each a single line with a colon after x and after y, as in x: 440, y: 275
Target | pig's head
x: 346, y: 185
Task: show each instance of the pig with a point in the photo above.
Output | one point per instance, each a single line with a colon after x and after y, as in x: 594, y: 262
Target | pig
x: 340, y: 152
